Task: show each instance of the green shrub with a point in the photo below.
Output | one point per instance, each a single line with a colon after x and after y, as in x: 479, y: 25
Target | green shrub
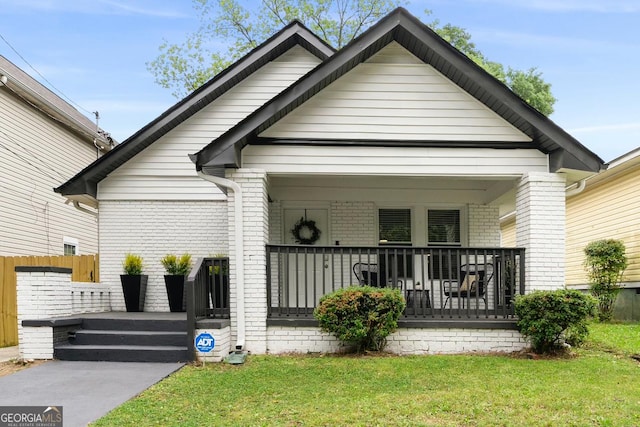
x: 605, y: 261
x: 132, y: 264
x: 177, y: 266
x: 361, y: 315
x: 550, y: 318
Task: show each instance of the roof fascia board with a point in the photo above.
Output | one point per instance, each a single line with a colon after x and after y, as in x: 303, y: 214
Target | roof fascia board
x: 293, y: 34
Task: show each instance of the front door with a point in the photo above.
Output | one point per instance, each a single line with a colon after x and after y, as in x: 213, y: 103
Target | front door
x: 309, y: 275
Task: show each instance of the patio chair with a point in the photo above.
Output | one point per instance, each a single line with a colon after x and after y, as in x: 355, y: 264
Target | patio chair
x: 368, y: 274
x: 472, y: 284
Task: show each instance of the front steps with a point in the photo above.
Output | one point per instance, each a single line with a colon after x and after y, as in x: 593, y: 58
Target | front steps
x: 127, y: 337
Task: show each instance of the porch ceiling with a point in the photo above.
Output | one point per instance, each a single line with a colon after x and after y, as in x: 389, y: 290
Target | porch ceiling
x: 388, y: 189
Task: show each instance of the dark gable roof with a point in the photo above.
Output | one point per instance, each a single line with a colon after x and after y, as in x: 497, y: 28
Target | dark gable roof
x: 424, y: 43
x: 86, y: 181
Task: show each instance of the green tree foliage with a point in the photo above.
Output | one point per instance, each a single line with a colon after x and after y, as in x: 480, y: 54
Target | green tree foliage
x: 361, y: 315
x: 228, y: 30
x: 605, y: 262
x: 529, y: 84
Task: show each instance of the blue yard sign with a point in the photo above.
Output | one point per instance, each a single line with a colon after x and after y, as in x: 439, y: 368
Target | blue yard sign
x: 205, y: 342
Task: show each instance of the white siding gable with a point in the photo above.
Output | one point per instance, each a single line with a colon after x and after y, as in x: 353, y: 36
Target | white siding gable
x: 163, y: 171
x: 394, y: 96
x: 37, y: 154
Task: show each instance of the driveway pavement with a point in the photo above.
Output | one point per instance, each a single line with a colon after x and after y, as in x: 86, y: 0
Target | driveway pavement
x: 85, y: 390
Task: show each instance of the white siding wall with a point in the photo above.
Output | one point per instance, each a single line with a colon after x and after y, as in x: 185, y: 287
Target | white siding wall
x: 164, y: 172
x: 152, y: 230
x: 37, y: 154
x: 393, y: 96
x: 398, y: 161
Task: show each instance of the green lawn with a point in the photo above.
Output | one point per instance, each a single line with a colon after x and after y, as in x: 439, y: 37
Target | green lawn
x: 599, y: 386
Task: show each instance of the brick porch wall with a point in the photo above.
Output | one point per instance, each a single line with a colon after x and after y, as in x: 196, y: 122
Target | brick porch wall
x: 404, y: 341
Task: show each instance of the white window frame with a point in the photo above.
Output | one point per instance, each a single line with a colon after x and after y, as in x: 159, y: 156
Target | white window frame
x: 70, y: 241
x: 412, y: 219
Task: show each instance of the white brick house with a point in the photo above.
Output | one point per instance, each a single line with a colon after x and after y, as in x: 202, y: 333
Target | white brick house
x: 398, y: 132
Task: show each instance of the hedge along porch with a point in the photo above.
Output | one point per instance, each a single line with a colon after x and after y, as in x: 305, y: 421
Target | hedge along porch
x: 397, y: 126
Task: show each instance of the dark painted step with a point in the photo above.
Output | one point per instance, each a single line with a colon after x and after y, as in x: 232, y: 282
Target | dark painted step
x: 144, y: 338
x: 121, y: 353
x: 110, y: 324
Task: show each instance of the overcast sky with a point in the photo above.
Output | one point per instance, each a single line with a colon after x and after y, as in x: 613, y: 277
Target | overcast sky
x: 95, y: 51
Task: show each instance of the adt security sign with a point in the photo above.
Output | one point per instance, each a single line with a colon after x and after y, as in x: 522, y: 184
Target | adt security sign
x: 205, y: 342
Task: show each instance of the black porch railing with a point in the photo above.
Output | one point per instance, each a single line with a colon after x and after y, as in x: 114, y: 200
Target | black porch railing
x: 437, y: 282
x: 207, y: 293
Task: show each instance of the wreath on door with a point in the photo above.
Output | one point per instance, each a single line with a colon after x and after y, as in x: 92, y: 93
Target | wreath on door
x: 305, y: 232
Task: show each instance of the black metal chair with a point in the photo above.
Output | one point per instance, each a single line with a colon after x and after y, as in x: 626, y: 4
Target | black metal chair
x: 368, y: 275
x: 472, y: 284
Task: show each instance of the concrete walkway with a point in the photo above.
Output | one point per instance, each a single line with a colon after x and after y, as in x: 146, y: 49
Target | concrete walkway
x: 86, y: 390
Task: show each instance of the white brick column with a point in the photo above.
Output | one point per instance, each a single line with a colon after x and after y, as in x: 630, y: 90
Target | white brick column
x: 540, y: 229
x: 256, y: 234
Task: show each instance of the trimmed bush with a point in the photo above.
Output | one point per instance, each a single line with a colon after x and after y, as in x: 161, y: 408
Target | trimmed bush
x: 361, y: 315
x: 551, y: 318
x: 605, y: 261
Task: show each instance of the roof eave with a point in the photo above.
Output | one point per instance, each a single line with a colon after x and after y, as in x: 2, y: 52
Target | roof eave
x: 293, y: 34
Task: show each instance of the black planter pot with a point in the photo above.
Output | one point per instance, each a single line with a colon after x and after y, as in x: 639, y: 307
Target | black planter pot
x: 175, y: 291
x: 134, y: 288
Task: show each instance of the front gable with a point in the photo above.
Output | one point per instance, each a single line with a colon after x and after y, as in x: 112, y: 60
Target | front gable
x: 394, y: 96
x: 399, y: 27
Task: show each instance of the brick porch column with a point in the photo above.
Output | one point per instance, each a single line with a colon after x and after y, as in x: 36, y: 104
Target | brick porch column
x: 256, y: 233
x: 540, y: 228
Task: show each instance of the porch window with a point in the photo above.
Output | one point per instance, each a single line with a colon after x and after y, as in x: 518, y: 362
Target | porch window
x: 395, y: 226
x: 395, y: 230
x: 443, y: 229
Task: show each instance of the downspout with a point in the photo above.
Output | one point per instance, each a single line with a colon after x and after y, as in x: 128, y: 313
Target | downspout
x: 582, y: 184
x: 579, y: 189
x: 85, y: 210
x: 239, y: 244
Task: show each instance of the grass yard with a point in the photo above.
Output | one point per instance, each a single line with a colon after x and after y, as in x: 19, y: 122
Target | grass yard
x: 598, y: 386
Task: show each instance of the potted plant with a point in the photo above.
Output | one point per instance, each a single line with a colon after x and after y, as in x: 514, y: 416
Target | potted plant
x: 134, y: 283
x: 177, y: 268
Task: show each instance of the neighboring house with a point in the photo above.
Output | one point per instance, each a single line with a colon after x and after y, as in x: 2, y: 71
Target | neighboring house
x: 43, y: 142
x: 399, y: 148
x: 604, y: 206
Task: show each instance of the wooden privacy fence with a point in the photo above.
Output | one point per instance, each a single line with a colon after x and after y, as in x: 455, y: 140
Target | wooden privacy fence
x: 84, y: 267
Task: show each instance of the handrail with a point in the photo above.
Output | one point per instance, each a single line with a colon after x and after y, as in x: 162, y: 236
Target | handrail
x: 191, y: 310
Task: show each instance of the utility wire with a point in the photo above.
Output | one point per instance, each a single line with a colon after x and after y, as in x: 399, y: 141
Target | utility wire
x: 47, y: 166
x: 44, y: 78
x: 29, y: 163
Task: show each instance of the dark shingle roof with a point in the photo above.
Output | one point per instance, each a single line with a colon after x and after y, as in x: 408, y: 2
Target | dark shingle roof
x: 86, y: 181
x: 424, y: 43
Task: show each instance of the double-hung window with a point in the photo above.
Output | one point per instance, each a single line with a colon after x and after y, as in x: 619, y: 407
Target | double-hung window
x: 443, y: 229
x: 395, y: 230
